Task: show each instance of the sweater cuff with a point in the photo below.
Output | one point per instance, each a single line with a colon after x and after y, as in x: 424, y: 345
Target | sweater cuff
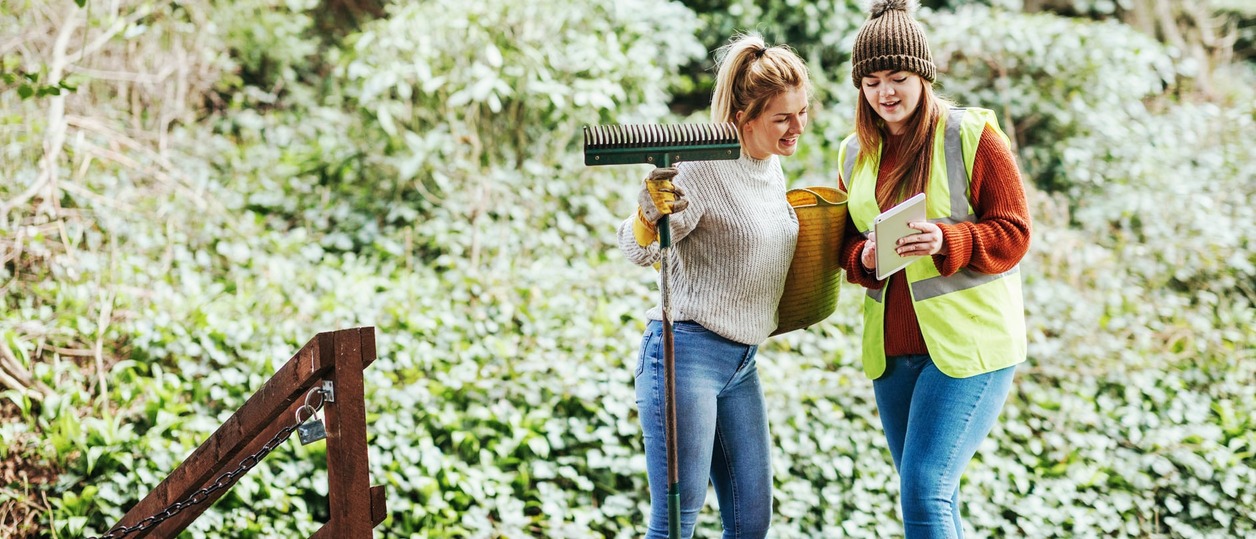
x: 856, y: 273
x: 959, y: 249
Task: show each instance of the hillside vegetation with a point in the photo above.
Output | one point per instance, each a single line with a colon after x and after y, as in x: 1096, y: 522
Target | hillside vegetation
x: 191, y: 190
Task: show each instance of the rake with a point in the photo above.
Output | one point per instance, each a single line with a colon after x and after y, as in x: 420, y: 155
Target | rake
x: 663, y: 146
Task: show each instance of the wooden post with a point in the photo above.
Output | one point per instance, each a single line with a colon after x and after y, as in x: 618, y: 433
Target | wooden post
x: 348, y: 476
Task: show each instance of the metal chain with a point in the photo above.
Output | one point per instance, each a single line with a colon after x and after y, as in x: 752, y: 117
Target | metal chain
x: 224, y: 480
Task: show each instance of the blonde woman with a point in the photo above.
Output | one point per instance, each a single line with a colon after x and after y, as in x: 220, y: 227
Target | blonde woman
x: 733, y: 234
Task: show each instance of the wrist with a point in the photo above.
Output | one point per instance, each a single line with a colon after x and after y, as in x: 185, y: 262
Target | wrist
x: 646, y: 221
x: 643, y: 231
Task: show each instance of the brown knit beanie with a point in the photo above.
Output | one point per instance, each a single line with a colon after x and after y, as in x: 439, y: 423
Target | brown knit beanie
x: 891, y: 39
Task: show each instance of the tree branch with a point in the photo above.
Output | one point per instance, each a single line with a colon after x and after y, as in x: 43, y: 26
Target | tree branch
x: 13, y: 376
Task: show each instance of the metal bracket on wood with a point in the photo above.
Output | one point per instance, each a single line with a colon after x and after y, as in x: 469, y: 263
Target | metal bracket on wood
x: 329, y: 392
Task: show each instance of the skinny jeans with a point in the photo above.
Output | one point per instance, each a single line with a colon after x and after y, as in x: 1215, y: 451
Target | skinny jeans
x: 721, y: 428
x: 934, y: 424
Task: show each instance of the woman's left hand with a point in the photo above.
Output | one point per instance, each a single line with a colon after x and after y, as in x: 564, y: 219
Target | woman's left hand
x: 927, y: 242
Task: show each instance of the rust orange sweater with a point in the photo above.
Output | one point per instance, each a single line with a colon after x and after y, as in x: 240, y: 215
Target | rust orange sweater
x: 995, y: 243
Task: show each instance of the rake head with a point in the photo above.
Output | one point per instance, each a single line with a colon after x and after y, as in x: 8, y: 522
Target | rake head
x: 659, y: 145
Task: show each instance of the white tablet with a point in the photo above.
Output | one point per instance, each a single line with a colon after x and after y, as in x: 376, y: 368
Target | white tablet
x: 891, y: 226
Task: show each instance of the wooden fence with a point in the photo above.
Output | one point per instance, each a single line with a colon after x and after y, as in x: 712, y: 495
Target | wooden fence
x: 356, y: 507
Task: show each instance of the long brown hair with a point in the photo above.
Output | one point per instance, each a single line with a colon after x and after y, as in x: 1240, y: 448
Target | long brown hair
x: 750, y: 73
x: 911, y: 173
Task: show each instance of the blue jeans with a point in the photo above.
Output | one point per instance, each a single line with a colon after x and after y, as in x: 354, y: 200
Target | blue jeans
x: 934, y: 424
x: 721, y: 430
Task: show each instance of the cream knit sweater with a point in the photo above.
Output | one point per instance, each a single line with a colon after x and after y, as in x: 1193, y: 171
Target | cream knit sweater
x: 731, y: 248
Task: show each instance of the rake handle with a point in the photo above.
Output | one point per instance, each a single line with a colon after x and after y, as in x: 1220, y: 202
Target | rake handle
x: 669, y: 385
x: 669, y: 376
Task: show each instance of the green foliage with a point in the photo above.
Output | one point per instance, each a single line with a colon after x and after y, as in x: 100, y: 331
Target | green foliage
x: 451, y: 140
x: 1052, y: 78
x: 822, y: 32
x: 423, y: 176
x: 271, y: 43
x: 28, y: 84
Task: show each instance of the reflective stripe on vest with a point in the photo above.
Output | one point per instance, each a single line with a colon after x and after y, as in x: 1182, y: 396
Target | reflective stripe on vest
x: 956, y: 172
x: 995, y: 313
x: 957, y: 182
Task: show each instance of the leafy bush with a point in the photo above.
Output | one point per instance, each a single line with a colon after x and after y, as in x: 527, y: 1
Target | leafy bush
x: 1052, y: 79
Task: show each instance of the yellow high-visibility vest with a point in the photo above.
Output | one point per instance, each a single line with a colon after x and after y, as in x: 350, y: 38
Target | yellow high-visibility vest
x: 972, y: 322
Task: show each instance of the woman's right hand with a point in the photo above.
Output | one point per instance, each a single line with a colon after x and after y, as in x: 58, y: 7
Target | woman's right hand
x: 868, y: 257
x: 659, y: 197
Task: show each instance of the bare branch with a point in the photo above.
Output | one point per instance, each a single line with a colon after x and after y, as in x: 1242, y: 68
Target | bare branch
x: 124, y: 76
x: 102, y: 326
x: 13, y: 376
x: 113, y: 30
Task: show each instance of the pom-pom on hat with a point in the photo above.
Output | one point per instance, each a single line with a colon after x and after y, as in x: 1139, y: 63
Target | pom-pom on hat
x: 891, y: 39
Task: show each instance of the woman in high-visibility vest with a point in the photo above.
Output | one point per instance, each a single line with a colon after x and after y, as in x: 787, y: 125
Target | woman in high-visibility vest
x: 942, y: 337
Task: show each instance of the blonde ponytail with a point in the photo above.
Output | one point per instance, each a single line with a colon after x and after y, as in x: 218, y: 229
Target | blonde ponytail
x: 749, y: 74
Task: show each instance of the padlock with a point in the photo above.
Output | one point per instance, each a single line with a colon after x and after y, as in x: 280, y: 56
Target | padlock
x: 311, y: 431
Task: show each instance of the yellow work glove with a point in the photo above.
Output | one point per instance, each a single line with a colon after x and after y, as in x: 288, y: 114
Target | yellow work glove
x: 658, y: 197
